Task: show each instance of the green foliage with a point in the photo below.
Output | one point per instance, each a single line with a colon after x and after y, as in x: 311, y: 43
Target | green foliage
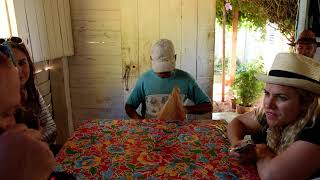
x: 246, y: 87
x: 255, y: 14
x: 218, y: 65
x: 250, y: 15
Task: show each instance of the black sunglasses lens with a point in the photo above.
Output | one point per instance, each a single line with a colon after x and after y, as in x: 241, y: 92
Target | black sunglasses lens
x: 16, y: 39
x: 5, y: 50
x: 2, y: 40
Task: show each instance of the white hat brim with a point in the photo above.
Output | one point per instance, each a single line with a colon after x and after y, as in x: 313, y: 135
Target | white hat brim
x: 293, y: 82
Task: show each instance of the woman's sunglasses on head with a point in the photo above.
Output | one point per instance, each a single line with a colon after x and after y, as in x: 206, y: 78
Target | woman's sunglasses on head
x: 6, y: 50
x: 13, y: 39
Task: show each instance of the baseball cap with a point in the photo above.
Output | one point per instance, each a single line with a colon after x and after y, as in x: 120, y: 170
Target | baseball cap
x: 163, y: 56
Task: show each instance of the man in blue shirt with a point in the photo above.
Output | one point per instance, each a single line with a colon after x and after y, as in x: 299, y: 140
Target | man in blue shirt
x: 154, y: 87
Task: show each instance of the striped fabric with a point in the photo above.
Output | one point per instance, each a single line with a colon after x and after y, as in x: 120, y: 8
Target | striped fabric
x: 48, y: 126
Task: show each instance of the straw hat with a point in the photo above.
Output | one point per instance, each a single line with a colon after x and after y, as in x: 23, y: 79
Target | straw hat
x: 294, y: 70
x: 163, y: 56
x: 307, y: 37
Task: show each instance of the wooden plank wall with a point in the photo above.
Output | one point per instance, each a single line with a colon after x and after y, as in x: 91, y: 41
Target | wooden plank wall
x: 113, y: 38
x: 42, y: 81
x: 45, y: 27
x: 96, y: 68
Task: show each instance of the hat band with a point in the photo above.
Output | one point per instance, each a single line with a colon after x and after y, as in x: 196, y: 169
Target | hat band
x: 287, y: 74
x: 307, y: 40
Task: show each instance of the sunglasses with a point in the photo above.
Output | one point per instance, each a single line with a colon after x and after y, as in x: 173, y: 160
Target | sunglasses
x: 13, y: 39
x: 6, y: 49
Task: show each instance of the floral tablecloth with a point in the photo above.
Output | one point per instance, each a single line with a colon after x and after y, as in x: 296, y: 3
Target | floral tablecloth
x: 151, y: 149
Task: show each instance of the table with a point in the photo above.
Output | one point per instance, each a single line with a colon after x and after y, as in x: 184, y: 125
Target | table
x: 151, y: 149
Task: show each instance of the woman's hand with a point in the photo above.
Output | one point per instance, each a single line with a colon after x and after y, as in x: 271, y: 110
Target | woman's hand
x: 245, y: 154
x: 25, y: 155
x: 22, y: 129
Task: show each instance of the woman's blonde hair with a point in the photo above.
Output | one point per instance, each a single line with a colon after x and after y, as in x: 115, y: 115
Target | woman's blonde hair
x: 279, y: 138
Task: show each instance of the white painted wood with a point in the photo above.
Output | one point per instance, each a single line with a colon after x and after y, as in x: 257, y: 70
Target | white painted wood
x: 83, y: 114
x: 97, y: 60
x: 96, y: 20
x: 41, y: 77
x: 95, y: 5
x: 130, y: 37
x: 56, y: 25
x: 66, y: 78
x: 63, y: 27
x: 95, y: 71
x: 96, y: 100
x: 205, y: 39
x: 170, y: 25
x: 11, y: 17
x: 148, y: 13
x: 189, y: 36
x: 4, y: 19
x: 48, y: 12
x: 91, y: 42
x: 70, y: 50
x: 59, y: 86
x: 44, y: 88
x: 33, y: 30
x: 42, y: 29
x: 22, y: 23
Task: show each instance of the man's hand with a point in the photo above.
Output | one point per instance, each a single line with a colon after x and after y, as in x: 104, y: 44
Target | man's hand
x: 23, y: 155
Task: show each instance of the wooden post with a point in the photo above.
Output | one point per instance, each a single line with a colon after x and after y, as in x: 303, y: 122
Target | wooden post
x: 223, y: 51
x: 235, y: 21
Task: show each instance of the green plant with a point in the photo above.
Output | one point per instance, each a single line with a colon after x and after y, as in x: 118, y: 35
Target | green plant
x: 218, y: 65
x: 246, y: 87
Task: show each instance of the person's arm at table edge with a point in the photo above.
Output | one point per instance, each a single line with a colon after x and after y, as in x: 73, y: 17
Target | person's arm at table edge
x: 287, y: 165
x: 132, y: 113
x: 242, y: 125
x: 199, y: 108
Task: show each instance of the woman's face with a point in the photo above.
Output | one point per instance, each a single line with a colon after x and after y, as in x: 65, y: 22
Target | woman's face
x: 23, y: 66
x: 281, y: 104
x: 9, y: 86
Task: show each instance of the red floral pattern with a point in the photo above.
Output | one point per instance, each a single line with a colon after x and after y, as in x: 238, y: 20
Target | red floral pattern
x: 151, y: 149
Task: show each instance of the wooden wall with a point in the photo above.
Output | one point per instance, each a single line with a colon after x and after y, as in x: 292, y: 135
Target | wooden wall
x: 114, y: 37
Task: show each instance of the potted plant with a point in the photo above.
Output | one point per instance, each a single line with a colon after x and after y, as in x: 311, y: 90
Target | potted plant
x: 246, y: 88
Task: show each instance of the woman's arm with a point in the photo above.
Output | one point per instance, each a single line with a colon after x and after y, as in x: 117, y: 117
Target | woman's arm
x: 242, y: 125
x: 299, y: 161
x: 49, y: 128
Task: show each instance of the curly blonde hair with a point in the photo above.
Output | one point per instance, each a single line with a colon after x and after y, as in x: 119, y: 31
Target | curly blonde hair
x: 279, y: 138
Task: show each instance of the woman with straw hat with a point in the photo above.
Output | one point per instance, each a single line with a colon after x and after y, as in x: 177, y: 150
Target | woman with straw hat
x: 286, y: 129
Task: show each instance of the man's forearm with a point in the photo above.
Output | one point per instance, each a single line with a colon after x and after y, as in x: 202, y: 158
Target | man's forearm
x: 132, y: 113
x: 199, y: 108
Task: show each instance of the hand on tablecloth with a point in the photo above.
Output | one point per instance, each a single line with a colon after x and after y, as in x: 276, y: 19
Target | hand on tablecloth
x: 23, y: 155
x: 243, y: 151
